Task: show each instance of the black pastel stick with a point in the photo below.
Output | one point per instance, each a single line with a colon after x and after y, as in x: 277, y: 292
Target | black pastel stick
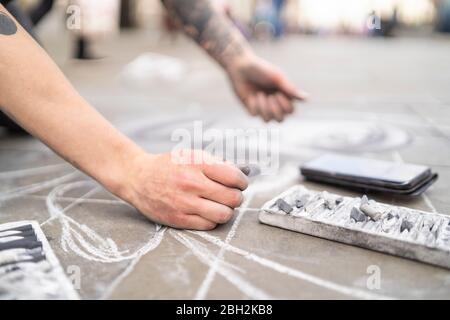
x: 250, y: 170
x: 20, y: 228
x: 27, y: 233
x: 30, y: 238
x: 26, y: 243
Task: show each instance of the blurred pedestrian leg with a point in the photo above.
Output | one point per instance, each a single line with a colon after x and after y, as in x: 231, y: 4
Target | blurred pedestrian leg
x: 40, y: 10
x: 99, y: 19
x: 279, y: 24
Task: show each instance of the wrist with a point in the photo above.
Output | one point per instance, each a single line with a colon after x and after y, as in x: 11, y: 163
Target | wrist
x: 121, y: 173
x: 234, y: 64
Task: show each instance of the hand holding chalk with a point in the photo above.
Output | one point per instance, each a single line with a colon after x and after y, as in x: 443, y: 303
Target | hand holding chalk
x: 191, y: 191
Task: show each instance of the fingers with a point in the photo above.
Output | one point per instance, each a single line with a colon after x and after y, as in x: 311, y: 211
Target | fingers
x: 275, y: 108
x: 272, y: 107
x: 225, y: 174
x: 251, y: 104
x: 191, y: 222
x: 284, y: 103
x: 216, y: 192
x: 213, y: 211
x: 263, y: 108
x: 289, y: 89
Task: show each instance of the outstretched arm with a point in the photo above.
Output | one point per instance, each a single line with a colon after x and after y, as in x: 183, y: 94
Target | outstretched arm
x: 35, y: 93
x: 209, y: 28
x: 262, y: 88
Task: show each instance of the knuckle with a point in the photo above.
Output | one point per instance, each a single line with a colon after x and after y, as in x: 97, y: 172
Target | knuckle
x: 185, y: 182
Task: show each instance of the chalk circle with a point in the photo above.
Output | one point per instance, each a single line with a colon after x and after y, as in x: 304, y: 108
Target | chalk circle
x: 349, y: 136
x: 7, y: 25
x: 332, y: 135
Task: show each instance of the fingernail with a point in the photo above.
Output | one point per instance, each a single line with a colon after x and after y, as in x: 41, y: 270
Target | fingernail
x: 302, y: 95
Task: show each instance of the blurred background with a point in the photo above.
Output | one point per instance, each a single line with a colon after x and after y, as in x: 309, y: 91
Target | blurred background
x: 378, y: 74
x: 381, y: 61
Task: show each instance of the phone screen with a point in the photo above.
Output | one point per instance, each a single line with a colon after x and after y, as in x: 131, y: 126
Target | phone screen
x: 366, y: 170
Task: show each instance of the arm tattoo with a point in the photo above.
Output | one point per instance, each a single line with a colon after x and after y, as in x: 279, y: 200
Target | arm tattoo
x: 209, y: 28
x: 7, y: 25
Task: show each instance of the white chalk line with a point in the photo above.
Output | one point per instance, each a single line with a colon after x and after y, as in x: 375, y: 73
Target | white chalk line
x: 100, y: 249
x: 151, y: 245
x: 14, y: 174
x: 72, y: 204
x: 32, y: 188
x: 79, y: 238
x: 262, y: 186
x: 202, y: 248
x: 398, y: 158
x: 353, y: 292
x: 240, y: 283
x: 206, y: 284
x: 90, y: 200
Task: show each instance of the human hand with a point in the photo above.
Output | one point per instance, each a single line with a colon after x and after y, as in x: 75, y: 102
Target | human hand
x: 263, y: 89
x: 185, y: 194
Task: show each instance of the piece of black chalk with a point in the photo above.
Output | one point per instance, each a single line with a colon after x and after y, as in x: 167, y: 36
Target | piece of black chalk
x: 406, y: 225
x: 26, y: 233
x: 21, y: 228
x: 245, y: 170
x: 284, y: 206
x: 23, y: 243
x: 357, y: 215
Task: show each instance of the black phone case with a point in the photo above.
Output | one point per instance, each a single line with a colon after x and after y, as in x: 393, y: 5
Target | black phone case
x: 412, y: 192
x: 370, y: 182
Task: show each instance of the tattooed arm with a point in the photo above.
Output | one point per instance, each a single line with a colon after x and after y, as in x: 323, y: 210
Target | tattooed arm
x: 35, y: 93
x: 262, y: 88
x: 209, y: 28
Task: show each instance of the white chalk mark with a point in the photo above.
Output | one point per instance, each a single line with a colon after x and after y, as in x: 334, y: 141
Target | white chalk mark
x: 353, y: 292
x: 201, y: 247
x: 206, y: 284
x: 90, y: 200
x: 429, y: 203
x: 72, y: 204
x: 151, y: 245
x: 32, y: 188
x: 244, y: 286
x: 261, y: 187
x: 79, y: 238
x: 32, y: 171
x: 398, y: 158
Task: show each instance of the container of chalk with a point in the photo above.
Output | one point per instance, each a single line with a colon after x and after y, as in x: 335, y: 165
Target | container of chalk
x: 400, y: 231
x: 29, y: 268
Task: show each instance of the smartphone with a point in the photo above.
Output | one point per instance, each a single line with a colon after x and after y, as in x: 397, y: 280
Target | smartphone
x: 362, y: 172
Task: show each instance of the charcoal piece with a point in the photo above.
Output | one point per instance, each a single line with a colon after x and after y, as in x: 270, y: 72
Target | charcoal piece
x: 24, y: 243
x: 357, y: 215
x: 302, y: 201
x: 24, y: 234
x: 20, y: 228
x: 284, y: 206
x: 339, y: 200
x: 406, y: 225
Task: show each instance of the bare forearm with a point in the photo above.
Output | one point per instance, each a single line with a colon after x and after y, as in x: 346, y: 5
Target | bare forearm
x: 210, y: 29
x: 37, y: 95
